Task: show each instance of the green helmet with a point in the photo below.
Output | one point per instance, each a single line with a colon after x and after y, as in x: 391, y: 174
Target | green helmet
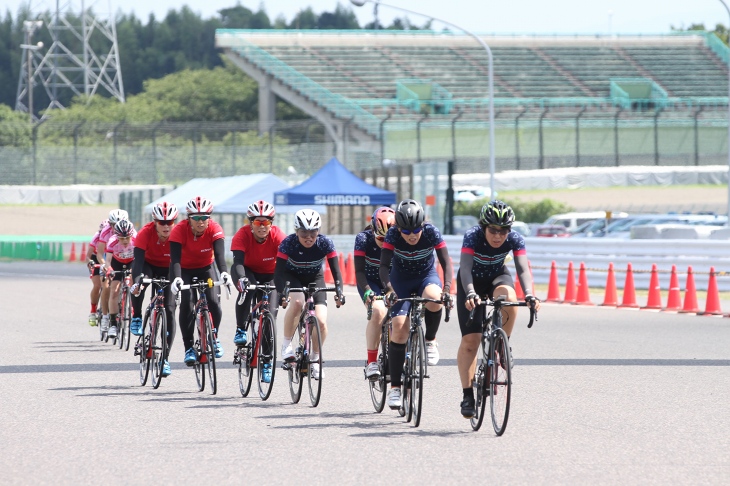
x: 496, y: 213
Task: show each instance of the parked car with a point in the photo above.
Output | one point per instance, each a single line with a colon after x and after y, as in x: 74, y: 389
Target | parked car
x: 471, y: 193
x: 550, y: 231
x: 521, y: 228
x: 575, y: 219
x: 463, y: 223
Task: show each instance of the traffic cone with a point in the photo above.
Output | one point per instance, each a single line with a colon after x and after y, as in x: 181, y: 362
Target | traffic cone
x: 343, y: 269
x: 453, y: 278
x: 570, y: 286
x: 72, y: 256
x: 82, y: 255
x: 712, y: 304
x: 690, y: 294
x: 654, y: 301
x: 674, y: 300
x: 584, y: 295
x: 350, y: 270
x: 611, y: 296
x: 328, y: 279
x: 59, y: 254
x: 553, y: 286
x: 629, y: 290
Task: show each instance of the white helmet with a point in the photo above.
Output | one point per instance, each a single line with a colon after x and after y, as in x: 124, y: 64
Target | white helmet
x: 261, y: 209
x: 307, y: 219
x: 164, y: 211
x: 116, y: 215
x: 199, y: 205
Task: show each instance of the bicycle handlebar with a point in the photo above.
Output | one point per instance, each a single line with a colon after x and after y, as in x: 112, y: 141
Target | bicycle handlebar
x: 311, y: 290
x: 500, y: 302
x: 424, y: 300
x: 244, y: 287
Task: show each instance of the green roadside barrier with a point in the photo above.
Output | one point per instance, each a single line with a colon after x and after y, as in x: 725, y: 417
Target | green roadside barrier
x: 40, y: 247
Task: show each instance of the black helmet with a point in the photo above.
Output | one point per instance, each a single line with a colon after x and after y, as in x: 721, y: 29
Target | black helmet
x: 496, y: 213
x: 409, y: 215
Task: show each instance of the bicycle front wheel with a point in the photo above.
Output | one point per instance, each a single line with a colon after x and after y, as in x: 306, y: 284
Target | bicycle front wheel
x: 315, y: 340
x: 201, y: 358
x: 210, y: 351
x: 141, y: 348
x: 480, y: 387
x: 294, y: 369
x: 418, y: 370
x: 243, y: 356
x: 124, y: 317
x: 158, y: 351
x: 379, y: 387
x: 266, y: 350
x: 500, y: 380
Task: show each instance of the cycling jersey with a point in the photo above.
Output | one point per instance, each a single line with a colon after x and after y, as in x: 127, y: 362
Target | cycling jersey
x: 106, y: 233
x: 488, y: 261
x: 306, y: 261
x: 418, y: 259
x: 121, y: 253
x: 197, y: 251
x: 258, y: 257
x: 365, y: 246
x: 94, y: 241
x: 156, y: 252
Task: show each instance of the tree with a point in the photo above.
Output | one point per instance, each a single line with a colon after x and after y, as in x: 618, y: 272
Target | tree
x: 342, y: 18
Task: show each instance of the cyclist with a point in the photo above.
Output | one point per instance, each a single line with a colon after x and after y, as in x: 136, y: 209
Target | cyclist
x: 410, y: 245
x: 92, y: 263
x: 115, y: 215
x: 197, y: 246
x: 482, y: 272
x: 299, y: 262
x: 152, y: 259
x: 121, y: 251
x: 368, y: 244
x: 254, y: 248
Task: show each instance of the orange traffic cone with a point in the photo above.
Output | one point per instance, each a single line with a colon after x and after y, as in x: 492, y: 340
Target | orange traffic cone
x: 654, y: 301
x: 712, y: 304
x: 82, y: 255
x: 690, y: 294
x: 553, y: 286
x: 453, y: 278
x: 72, y: 257
x: 674, y: 300
x: 584, y: 295
x: 611, y: 296
x: 629, y: 290
x: 350, y: 270
x: 570, y: 286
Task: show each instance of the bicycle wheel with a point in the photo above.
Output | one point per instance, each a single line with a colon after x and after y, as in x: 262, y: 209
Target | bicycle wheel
x: 243, y: 356
x: 201, y: 358
x: 102, y: 334
x: 418, y: 370
x: 294, y: 368
x: 158, y: 347
x: 480, y: 388
x: 500, y: 380
x: 266, y: 350
x: 210, y: 351
x: 127, y: 321
x: 315, y: 338
x: 122, y: 318
x: 141, y: 349
x: 379, y: 387
x: 406, y: 410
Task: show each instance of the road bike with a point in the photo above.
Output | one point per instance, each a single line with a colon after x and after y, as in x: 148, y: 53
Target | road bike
x: 307, y: 338
x: 152, y: 347
x: 415, y: 367
x: 260, y: 350
x: 98, y: 314
x: 205, y: 336
x: 379, y: 388
x: 125, y: 308
x: 493, y: 375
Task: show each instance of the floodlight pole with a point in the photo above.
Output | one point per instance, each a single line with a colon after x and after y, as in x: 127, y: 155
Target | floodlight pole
x: 360, y: 3
x: 728, y: 118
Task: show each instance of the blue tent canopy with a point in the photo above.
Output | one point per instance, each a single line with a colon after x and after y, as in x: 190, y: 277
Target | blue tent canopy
x: 334, y: 185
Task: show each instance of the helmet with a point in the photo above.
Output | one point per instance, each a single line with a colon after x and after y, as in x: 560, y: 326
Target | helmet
x: 164, y: 211
x: 261, y: 209
x: 198, y: 205
x: 124, y: 228
x: 383, y: 218
x: 409, y: 214
x: 103, y: 223
x: 496, y: 213
x: 116, y: 215
x: 307, y: 219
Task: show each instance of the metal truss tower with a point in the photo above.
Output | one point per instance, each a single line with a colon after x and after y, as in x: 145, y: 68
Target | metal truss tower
x: 83, y: 57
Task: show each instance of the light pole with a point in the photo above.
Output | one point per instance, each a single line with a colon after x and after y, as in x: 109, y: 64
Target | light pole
x: 360, y: 3
x: 728, y: 118
x: 30, y: 26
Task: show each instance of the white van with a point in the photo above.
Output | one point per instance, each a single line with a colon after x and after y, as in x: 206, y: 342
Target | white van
x: 573, y: 220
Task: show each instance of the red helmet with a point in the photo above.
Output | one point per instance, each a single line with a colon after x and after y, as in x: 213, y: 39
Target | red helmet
x: 383, y: 219
x: 199, y: 205
x: 164, y: 211
x: 261, y: 208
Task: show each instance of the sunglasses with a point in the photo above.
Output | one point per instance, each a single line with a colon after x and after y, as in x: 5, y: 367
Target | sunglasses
x: 165, y: 223
x: 414, y: 231
x: 498, y: 231
x: 200, y: 218
x: 261, y: 222
x: 308, y: 233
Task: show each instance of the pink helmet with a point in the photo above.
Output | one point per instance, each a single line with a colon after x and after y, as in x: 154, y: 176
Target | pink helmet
x: 383, y: 219
x: 199, y: 205
x: 261, y: 209
x: 164, y: 211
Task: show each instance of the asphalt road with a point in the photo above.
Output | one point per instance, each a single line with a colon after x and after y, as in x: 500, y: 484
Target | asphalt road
x: 600, y: 396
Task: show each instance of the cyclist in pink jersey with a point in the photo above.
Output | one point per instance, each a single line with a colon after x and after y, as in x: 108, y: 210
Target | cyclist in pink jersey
x: 92, y: 263
x: 115, y: 215
x: 120, y: 250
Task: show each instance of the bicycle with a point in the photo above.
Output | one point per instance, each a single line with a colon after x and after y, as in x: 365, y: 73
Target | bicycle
x: 204, y: 343
x: 261, y: 346
x: 415, y: 367
x: 493, y: 376
x: 306, y: 337
x: 379, y: 388
x: 151, y: 346
x: 125, y: 308
x: 99, y: 315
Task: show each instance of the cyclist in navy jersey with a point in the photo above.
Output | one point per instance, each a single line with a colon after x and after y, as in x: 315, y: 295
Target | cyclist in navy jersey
x: 482, y: 272
x: 299, y: 262
x: 368, y: 244
x: 410, y: 246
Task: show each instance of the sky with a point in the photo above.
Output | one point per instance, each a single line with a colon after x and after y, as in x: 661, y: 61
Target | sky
x: 486, y: 16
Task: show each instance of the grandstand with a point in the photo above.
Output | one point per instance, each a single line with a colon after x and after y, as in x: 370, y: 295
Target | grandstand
x: 560, y: 101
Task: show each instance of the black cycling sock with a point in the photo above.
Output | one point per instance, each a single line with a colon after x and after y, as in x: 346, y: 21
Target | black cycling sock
x: 113, y: 319
x: 468, y: 392
x: 433, y: 320
x: 396, y: 357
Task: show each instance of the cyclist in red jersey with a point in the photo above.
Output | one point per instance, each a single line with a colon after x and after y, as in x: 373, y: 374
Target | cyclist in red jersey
x: 121, y: 254
x: 254, y: 248
x: 92, y: 263
x: 196, y: 244
x: 152, y: 259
